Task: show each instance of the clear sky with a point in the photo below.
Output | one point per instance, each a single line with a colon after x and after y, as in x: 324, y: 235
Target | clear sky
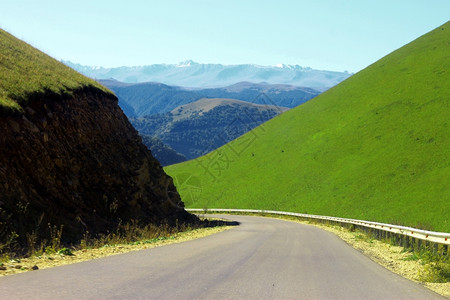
x: 322, y: 34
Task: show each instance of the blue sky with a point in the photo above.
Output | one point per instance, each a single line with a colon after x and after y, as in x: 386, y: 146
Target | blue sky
x: 322, y: 34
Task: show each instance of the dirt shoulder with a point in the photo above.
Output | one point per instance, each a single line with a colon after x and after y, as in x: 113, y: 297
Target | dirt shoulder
x: 53, y: 260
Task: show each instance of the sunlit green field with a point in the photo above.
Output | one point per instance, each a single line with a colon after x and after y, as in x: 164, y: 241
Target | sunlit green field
x: 375, y: 147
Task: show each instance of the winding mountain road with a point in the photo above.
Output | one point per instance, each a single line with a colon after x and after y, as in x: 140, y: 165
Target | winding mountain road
x: 262, y: 258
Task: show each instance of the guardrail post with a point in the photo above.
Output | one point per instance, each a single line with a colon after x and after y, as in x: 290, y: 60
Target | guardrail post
x: 412, y: 243
x: 373, y: 233
x: 427, y: 245
x: 436, y: 248
x: 419, y: 244
x: 398, y: 240
x: 390, y: 237
x: 405, y: 241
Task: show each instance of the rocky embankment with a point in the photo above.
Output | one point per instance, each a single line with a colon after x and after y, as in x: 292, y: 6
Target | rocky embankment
x: 76, y: 163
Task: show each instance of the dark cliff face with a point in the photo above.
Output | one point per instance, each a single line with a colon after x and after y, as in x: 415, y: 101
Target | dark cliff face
x: 77, y: 162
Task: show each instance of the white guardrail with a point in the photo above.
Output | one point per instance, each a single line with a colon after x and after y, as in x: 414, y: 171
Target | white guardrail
x: 425, y: 235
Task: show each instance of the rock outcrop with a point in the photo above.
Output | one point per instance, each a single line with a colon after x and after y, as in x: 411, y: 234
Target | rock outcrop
x: 75, y: 161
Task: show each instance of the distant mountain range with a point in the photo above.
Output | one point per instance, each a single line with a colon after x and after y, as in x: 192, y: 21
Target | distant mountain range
x: 154, y: 91
x: 150, y: 98
x: 197, y: 128
x: 192, y: 74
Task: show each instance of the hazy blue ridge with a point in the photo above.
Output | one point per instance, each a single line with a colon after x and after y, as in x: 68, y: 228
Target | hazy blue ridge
x: 150, y: 98
x: 192, y: 74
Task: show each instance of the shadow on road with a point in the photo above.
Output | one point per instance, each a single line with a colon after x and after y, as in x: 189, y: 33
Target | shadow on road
x: 215, y: 223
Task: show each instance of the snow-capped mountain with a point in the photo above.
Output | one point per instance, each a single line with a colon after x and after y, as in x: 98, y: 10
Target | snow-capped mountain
x: 192, y: 74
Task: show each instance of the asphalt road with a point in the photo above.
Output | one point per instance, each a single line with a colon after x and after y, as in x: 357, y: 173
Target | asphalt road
x: 261, y: 258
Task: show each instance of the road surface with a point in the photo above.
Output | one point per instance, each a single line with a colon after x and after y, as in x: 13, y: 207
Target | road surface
x: 262, y: 258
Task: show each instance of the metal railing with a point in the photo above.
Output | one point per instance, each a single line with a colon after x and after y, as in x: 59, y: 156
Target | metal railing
x: 381, y: 230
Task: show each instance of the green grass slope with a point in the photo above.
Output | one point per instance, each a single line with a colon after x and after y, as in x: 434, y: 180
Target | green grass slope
x: 26, y: 72
x: 375, y: 147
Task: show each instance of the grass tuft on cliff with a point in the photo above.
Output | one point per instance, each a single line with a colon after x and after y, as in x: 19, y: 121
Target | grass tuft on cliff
x: 374, y: 147
x: 26, y: 72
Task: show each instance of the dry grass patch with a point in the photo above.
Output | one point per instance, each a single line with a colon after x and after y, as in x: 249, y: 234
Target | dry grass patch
x: 67, y: 256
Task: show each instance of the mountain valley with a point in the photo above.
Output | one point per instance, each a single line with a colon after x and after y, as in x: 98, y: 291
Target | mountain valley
x: 151, y: 107
x: 199, y: 127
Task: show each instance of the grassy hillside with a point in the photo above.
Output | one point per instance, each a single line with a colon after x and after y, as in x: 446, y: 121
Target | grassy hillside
x: 25, y: 72
x: 374, y: 147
